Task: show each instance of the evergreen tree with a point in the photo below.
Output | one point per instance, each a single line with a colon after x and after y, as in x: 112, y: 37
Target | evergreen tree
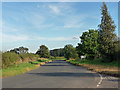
x: 106, y: 34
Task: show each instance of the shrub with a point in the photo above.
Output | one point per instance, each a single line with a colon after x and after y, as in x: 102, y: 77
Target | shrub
x: 9, y: 59
x: 51, y: 57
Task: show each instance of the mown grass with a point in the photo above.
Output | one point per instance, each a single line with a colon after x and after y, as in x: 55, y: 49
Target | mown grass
x: 21, y: 68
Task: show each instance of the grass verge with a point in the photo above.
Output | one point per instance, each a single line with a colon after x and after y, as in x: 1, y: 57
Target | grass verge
x: 59, y: 58
x: 22, y: 68
x: 109, y: 68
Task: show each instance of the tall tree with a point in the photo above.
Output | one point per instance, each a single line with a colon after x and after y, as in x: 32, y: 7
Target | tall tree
x: 106, y: 34
x: 43, y: 51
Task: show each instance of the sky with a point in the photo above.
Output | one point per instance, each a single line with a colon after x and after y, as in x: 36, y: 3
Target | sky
x: 54, y: 24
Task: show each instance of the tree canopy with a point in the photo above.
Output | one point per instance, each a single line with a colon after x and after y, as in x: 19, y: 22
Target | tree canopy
x: 43, y: 51
x: 89, y: 44
x: 20, y: 50
x: 57, y: 52
x: 70, y: 52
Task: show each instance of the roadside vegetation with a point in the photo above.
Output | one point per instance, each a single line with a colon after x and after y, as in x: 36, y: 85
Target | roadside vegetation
x: 18, y: 60
x: 22, y: 67
x: 95, y: 62
x: 59, y: 58
x: 10, y: 58
x: 100, y: 48
x: 109, y: 68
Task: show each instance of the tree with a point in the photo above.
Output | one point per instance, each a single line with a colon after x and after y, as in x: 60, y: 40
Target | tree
x: 80, y: 49
x: 20, y: 50
x: 43, y: 51
x: 70, y: 52
x: 57, y: 52
x: 89, y: 44
x: 106, y: 34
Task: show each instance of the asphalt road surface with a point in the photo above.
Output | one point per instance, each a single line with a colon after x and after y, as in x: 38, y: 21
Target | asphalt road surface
x: 60, y: 74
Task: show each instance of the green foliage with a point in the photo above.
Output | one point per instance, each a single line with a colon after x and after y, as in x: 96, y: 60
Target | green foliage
x: 27, y: 55
x: 106, y: 34
x: 89, y: 44
x: 43, y: 52
x: 102, y: 43
x: 9, y: 59
x: 95, y: 62
x: 20, y: 50
x: 70, y: 52
x: 59, y: 58
x: 57, y: 52
x: 116, y: 54
x: 21, y: 68
x: 51, y: 57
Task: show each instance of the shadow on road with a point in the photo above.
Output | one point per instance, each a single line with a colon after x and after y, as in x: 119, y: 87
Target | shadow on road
x: 55, y: 65
x: 114, y: 80
x: 59, y: 61
x: 67, y: 74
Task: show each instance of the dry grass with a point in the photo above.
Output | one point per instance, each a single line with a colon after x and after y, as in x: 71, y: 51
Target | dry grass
x: 28, y: 69
x: 110, y: 70
x: 43, y: 58
x: 42, y: 63
x: 100, y: 67
x: 50, y: 61
x: 37, y: 65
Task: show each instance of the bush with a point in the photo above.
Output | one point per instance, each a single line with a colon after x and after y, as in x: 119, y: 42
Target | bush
x: 26, y: 55
x: 9, y: 59
x: 51, y: 57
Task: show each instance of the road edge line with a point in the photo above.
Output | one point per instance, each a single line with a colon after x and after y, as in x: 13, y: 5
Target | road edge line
x: 101, y: 79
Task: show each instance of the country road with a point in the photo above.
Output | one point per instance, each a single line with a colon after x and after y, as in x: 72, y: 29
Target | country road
x: 60, y: 74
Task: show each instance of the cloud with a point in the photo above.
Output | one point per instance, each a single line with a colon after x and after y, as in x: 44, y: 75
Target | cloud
x: 75, y: 38
x: 38, y: 6
x: 13, y: 38
x: 56, y: 38
x: 9, y: 29
x: 59, y: 39
x: 75, y: 21
x: 62, y: 9
x: 74, y: 25
x: 35, y: 19
x: 19, y: 37
x: 54, y: 9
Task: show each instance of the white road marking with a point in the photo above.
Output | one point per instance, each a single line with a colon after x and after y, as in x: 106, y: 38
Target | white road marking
x: 101, y: 78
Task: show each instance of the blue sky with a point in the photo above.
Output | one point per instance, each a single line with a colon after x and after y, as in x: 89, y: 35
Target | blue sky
x: 53, y: 24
